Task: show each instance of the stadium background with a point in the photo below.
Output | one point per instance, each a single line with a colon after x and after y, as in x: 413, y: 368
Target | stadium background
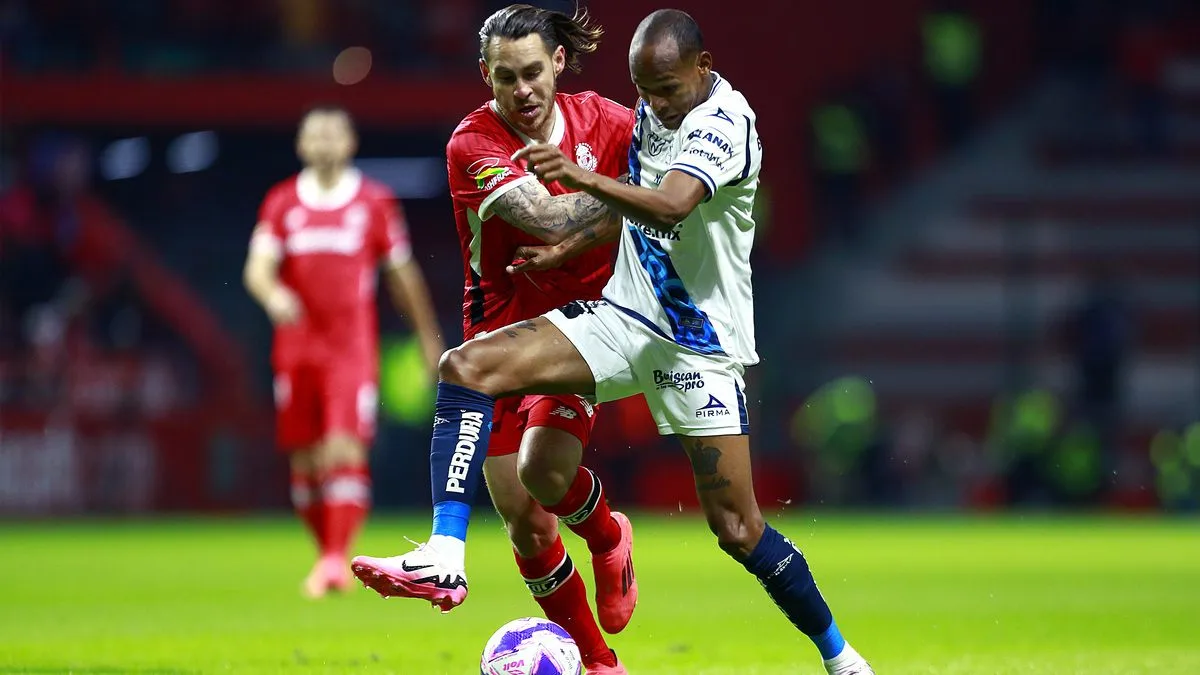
x: 976, y: 275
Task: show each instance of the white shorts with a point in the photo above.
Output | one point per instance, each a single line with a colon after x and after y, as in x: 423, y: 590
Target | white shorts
x: 689, y: 394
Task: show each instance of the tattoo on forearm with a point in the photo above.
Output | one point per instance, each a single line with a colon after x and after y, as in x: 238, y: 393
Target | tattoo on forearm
x: 531, y: 209
x: 528, y: 325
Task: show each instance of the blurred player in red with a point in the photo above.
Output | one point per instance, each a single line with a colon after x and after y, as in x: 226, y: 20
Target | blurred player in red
x: 321, y: 238
x: 532, y: 466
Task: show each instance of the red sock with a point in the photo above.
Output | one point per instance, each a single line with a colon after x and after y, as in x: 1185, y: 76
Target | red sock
x: 306, y: 500
x: 584, y: 510
x: 346, y: 499
x: 556, y: 586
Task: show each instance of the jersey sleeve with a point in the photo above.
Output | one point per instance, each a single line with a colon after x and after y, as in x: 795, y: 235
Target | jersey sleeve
x: 621, y: 121
x: 481, y: 170
x: 716, y: 148
x: 393, y: 243
x: 269, y: 233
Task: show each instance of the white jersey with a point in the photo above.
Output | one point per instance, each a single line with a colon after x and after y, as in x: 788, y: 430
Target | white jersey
x: 692, y: 285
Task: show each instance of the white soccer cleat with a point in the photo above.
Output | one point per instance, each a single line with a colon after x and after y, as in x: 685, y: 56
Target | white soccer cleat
x: 849, y: 662
x: 420, y: 573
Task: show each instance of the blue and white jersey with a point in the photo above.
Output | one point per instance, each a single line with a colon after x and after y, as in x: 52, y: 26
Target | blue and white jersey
x: 692, y: 284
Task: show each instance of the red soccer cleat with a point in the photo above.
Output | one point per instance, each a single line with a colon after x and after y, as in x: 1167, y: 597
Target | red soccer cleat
x: 616, y: 584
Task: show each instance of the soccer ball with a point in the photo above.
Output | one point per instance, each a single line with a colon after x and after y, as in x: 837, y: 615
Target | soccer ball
x: 531, y: 647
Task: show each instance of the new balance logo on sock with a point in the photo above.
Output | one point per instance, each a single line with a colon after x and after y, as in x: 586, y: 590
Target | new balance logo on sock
x: 546, y: 585
x: 564, y: 411
x: 464, y: 450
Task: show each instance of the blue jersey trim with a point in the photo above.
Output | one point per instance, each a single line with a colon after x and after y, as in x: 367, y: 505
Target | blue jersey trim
x: 698, y: 174
x: 690, y: 326
x: 635, y: 146
x: 745, y: 169
x: 743, y: 416
x: 653, y: 327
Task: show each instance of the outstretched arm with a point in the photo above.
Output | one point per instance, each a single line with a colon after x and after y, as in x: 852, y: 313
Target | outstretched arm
x: 662, y: 209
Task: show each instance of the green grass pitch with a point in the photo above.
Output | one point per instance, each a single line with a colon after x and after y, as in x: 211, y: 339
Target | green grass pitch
x: 955, y: 595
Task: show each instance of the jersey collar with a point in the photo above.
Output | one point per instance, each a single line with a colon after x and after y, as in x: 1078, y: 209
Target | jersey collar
x: 312, y: 196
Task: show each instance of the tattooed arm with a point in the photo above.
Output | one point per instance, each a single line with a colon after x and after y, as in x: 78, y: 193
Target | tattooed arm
x: 577, y: 240
x: 552, y: 218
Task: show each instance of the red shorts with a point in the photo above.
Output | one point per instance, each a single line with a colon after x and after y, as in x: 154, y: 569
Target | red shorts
x: 515, y: 414
x: 314, y: 402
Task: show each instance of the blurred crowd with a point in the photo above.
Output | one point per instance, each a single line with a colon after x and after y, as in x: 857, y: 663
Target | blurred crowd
x: 190, y: 36
x: 872, y: 130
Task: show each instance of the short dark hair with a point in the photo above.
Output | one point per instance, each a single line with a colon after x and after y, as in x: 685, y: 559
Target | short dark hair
x: 329, y: 109
x: 677, y: 25
x: 576, y: 34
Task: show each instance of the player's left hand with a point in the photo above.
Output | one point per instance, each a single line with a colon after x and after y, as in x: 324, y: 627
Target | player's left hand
x: 549, y: 164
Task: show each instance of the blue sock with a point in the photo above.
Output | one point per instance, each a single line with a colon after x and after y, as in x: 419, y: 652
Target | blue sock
x: 783, y: 572
x: 462, y: 423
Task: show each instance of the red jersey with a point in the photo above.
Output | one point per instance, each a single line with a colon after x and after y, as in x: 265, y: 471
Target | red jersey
x: 330, y: 244
x: 593, y: 131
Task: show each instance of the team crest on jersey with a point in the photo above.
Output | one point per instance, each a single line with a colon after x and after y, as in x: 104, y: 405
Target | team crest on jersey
x: 655, y: 144
x: 294, y: 219
x: 585, y: 158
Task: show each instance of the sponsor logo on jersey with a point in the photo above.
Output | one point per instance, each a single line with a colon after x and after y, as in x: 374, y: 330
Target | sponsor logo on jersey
x: 715, y: 138
x: 708, y: 156
x: 585, y: 158
x: 490, y: 178
x: 677, y: 380
x: 714, y: 408
x: 670, y: 235
x: 335, y: 240
x: 480, y: 165
x: 487, y: 172
x: 464, y: 450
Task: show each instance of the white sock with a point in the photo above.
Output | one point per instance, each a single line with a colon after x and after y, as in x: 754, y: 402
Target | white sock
x: 452, y: 550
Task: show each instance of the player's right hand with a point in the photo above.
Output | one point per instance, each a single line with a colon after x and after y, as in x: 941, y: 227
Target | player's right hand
x: 283, y: 307
x: 535, y: 258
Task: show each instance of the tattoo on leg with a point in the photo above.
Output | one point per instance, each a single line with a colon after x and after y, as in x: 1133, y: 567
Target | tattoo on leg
x: 511, y: 333
x: 704, y: 459
x: 528, y: 325
x: 714, y: 484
